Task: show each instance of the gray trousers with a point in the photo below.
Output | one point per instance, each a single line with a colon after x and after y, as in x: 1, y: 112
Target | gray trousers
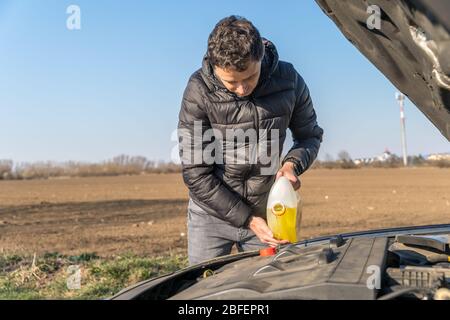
x: 210, y: 237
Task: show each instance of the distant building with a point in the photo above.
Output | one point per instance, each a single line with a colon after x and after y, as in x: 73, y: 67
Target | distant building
x: 438, y: 156
x: 363, y: 161
x: 384, y: 157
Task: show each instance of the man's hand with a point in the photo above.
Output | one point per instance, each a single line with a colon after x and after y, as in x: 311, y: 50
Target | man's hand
x: 259, y: 227
x: 288, y: 171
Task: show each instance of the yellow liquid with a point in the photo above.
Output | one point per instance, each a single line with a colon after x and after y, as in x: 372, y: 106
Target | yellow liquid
x: 286, y: 226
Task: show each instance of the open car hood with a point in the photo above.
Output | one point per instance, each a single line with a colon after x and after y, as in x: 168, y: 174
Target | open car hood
x: 411, y: 48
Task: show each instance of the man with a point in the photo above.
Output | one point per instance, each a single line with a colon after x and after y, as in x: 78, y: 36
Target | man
x: 242, y: 87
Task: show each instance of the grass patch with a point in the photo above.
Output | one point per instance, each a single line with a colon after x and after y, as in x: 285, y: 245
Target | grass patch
x: 55, y: 276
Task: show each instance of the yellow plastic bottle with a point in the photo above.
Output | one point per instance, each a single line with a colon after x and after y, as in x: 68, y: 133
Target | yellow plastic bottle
x: 284, y: 211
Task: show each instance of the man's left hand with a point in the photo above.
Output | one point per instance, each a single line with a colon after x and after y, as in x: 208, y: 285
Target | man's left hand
x: 288, y: 171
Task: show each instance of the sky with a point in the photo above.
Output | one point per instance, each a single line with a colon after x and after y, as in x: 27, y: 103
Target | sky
x: 115, y: 86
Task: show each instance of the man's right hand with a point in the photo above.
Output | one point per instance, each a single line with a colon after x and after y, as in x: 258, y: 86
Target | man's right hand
x: 261, y: 229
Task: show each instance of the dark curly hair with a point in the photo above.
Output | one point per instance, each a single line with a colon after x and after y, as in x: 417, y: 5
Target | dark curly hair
x: 233, y: 43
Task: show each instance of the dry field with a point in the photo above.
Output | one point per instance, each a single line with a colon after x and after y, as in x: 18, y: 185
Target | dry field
x: 147, y: 214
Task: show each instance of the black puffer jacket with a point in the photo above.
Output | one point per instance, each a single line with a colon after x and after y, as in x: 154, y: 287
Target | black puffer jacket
x: 281, y: 100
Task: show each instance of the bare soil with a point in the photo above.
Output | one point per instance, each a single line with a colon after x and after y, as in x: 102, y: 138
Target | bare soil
x: 147, y: 214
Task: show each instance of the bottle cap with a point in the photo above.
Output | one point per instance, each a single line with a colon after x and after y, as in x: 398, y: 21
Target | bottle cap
x: 278, y: 209
x: 270, y: 251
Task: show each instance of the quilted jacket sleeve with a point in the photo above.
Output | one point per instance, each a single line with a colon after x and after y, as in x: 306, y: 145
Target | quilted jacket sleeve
x: 306, y: 133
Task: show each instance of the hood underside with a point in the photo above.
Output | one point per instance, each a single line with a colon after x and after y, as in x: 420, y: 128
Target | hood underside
x: 411, y: 47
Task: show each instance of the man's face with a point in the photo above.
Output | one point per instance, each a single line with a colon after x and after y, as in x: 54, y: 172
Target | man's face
x: 242, y: 83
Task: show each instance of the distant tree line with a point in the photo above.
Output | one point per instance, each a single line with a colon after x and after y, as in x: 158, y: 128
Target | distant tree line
x: 135, y: 165
x: 120, y: 165
x: 345, y: 161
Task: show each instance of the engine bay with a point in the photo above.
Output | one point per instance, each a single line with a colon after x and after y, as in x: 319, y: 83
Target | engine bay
x: 359, y: 268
